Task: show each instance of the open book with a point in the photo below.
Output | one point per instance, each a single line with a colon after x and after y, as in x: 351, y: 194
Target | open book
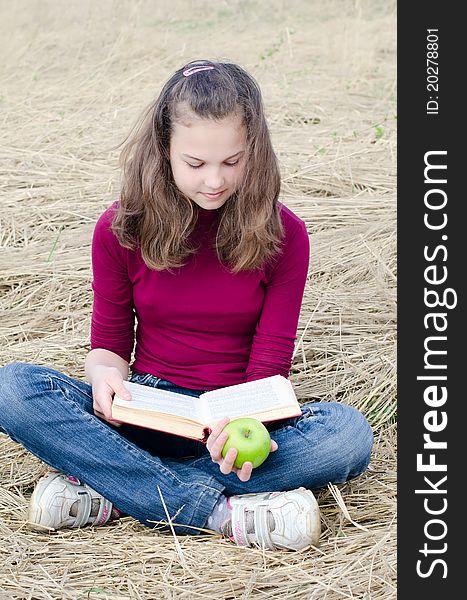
x: 267, y: 399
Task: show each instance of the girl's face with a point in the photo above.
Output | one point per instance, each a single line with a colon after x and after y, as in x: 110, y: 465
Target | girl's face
x: 207, y: 158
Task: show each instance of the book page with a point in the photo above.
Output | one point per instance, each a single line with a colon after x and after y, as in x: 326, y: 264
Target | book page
x: 255, y: 396
x: 154, y: 399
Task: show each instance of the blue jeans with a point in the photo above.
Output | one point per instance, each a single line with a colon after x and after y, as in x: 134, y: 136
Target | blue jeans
x: 51, y: 415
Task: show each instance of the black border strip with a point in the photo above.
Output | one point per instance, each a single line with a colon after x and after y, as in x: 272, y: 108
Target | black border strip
x: 431, y: 307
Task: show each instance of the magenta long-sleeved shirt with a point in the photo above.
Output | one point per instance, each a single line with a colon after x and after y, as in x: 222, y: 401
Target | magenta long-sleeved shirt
x: 199, y: 326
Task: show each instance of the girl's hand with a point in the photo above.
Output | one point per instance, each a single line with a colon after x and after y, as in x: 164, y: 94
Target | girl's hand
x: 215, y: 443
x: 105, y: 382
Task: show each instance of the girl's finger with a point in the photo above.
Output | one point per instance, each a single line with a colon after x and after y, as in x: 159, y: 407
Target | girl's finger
x: 244, y: 473
x: 217, y: 430
x: 220, y: 426
x: 122, y: 392
x: 103, y: 406
x: 227, y: 465
x: 216, y: 448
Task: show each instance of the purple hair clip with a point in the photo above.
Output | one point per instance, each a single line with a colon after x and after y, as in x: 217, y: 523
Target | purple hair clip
x: 196, y: 69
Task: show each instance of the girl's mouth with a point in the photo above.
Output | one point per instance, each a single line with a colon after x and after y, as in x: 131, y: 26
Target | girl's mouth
x: 213, y: 196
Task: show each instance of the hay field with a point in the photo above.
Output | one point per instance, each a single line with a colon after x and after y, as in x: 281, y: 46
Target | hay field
x: 73, y: 78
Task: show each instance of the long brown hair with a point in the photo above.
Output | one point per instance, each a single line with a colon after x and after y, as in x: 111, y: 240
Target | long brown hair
x: 155, y: 215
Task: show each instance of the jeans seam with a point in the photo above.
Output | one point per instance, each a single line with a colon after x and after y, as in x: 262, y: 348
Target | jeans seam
x: 68, y: 381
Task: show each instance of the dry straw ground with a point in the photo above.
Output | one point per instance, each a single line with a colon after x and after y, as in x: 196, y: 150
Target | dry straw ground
x: 74, y: 77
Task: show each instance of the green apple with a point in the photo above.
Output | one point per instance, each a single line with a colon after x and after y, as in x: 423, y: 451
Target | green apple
x: 251, y: 440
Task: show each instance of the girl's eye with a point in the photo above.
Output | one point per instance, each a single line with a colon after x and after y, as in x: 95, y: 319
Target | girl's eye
x: 232, y: 164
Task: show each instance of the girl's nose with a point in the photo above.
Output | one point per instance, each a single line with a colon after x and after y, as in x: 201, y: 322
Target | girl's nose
x: 214, y: 180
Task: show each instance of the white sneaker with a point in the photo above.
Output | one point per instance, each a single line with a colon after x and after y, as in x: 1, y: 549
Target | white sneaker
x: 280, y: 520
x: 53, y: 498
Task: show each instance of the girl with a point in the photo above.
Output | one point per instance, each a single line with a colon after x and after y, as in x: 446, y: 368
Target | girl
x: 198, y: 253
